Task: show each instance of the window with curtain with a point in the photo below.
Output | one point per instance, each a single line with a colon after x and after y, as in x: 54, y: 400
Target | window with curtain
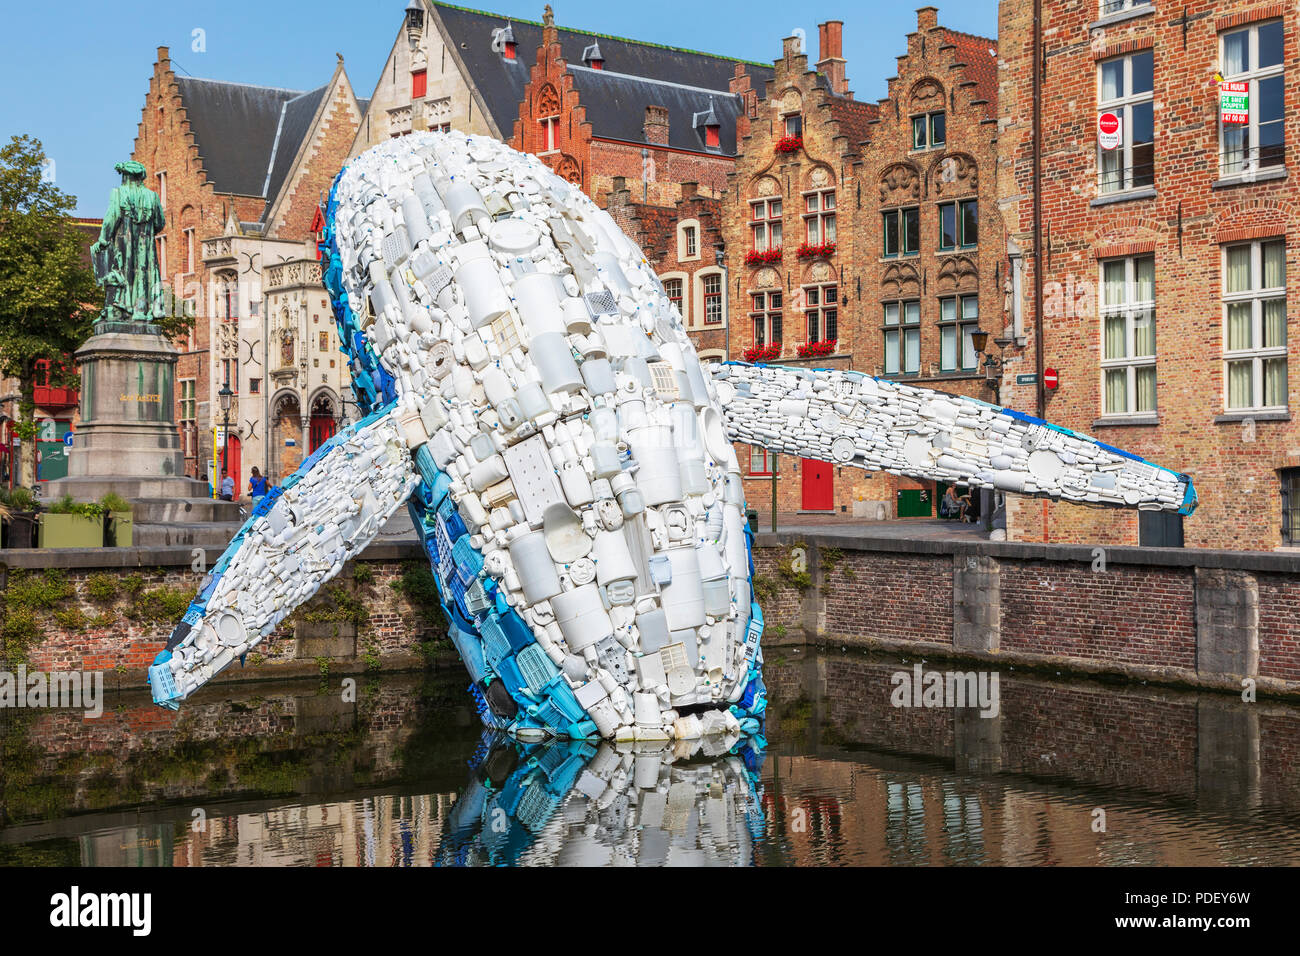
x: 822, y: 312
x: 673, y: 289
x: 1254, y: 318
x: 902, y: 334
x: 1128, y: 331
x: 1254, y: 56
x: 760, y: 461
x: 819, y: 217
x: 712, y: 286
x: 765, y: 224
x: 959, y: 316
x: 1124, y: 87
x: 765, y: 311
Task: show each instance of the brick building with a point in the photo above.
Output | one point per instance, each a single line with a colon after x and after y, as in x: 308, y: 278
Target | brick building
x: 241, y: 171
x: 680, y: 243
x: 638, y: 112
x: 863, y: 235
x: 1152, y: 267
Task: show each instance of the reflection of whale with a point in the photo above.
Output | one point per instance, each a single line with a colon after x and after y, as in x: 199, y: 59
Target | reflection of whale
x: 577, y: 803
x: 534, y: 399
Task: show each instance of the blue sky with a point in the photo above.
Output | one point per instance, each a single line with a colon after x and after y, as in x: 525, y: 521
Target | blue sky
x: 75, y: 72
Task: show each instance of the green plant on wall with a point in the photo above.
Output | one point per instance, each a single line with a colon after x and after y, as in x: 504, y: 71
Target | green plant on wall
x: 793, y: 567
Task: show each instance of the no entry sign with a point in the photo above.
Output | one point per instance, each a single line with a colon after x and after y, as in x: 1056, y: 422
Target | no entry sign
x: 1234, y: 102
x: 1110, y: 131
x: 1049, y: 378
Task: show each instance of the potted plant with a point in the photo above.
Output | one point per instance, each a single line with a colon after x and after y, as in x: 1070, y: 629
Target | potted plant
x: 72, y: 524
x: 18, y: 508
x: 789, y: 144
x: 119, y: 528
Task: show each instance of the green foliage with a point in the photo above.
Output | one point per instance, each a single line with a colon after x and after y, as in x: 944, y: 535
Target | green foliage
x: 37, y: 592
x: 86, y: 509
x: 71, y: 618
x: 102, y: 587
x: 800, y: 580
x: 418, y: 586
x: 162, y: 605
x: 371, y: 658
x: 765, y: 589
x: 114, y: 502
x: 323, y: 665
x: 132, y: 584
x: 19, y: 631
x: 18, y: 499
x: 362, y: 573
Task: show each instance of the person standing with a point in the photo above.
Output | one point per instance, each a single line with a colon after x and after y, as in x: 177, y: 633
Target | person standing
x: 256, y: 485
x: 227, y: 486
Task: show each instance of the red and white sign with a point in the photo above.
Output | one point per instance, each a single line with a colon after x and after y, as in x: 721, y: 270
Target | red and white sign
x: 1110, y: 131
x: 1234, y: 102
x: 1050, y: 379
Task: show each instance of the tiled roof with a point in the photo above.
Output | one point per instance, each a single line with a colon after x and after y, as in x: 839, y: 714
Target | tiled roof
x: 615, y: 106
x: 854, y: 117
x: 501, y: 82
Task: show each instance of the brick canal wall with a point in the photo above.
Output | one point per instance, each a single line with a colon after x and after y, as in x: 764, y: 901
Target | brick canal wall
x: 112, y: 609
x: 1192, y: 617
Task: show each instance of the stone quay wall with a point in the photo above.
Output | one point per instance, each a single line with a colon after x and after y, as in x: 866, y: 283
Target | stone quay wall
x: 1186, y: 617
x: 1196, y: 618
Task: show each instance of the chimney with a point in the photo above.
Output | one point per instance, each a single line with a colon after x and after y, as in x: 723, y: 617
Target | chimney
x: 656, y: 125
x: 790, y: 49
x: 927, y: 18
x: 689, y: 189
x: 831, y: 55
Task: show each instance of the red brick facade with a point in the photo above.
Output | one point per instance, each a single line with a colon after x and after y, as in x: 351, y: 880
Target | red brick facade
x: 865, y: 156
x: 1180, y: 205
x: 553, y: 124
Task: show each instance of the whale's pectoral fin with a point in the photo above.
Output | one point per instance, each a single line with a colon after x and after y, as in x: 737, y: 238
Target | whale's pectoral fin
x: 298, y: 538
x: 850, y: 418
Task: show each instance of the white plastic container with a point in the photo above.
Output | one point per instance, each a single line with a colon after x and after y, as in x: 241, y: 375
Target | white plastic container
x: 582, y: 617
x: 532, y: 561
x: 613, y: 558
x: 683, y: 599
x: 538, y: 302
x: 485, y: 297
x: 554, y: 361
x: 598, y: 376
x: 659, y: 479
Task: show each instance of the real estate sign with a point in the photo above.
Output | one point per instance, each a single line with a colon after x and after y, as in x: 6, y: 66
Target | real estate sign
x: 1234, y: 102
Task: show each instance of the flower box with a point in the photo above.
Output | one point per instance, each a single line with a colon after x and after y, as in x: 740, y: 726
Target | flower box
x: 767, y: 256
x: 825, y: 250
x: 762, y: 353
x: 817, y: 349
x: 789, y: 144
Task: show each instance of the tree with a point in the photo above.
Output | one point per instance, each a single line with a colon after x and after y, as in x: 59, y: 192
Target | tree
x: 48, y: 293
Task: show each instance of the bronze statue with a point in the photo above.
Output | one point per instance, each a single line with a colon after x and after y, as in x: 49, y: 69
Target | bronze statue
x: 125, y: 255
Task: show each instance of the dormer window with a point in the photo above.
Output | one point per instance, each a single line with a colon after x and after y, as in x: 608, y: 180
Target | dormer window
x: 709, y: 127
x: 591, y: 56
x: 503, y: 42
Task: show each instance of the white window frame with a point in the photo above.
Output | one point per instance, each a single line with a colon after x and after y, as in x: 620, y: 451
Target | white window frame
x: 1122, y: 106
x: 816, y: 312
x: 688, y: 232
x: 703, y: 310
x: 1133, y: 310
x: 902, y: 330
x: 766, y: 314
x: 550, y: 133
x: 817, y: 215
x: 1256, y: 295
x: 763, y: 228
x: 683, y: 305
x: 962, y: 325
x: 1110, y: 8
x: 797, y: 119
x: 1252, y: 75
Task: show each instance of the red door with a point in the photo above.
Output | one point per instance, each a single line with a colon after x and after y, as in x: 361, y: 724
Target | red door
x: 818, y: 486
x: 323, y: 428
x: 231, y: 463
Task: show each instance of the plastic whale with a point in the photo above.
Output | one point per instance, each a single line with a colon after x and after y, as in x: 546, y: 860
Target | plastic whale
x: 533, y: 399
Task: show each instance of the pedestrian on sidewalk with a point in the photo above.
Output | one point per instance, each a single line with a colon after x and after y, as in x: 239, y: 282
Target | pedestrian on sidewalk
x: 256, y: 486
x: 227, y: 486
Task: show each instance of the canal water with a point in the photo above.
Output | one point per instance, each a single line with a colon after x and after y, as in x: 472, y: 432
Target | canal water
x: 854, y: 767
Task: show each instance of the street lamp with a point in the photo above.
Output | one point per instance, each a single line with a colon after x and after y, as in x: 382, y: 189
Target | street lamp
x: 225, y: 395
x: 979, y: 340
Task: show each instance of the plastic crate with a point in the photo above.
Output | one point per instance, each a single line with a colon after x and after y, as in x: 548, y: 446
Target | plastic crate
x: 536, y: 668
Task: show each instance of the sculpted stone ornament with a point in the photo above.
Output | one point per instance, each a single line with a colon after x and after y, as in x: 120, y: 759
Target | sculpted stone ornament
x: 531, y: 396
x: 125, y: 255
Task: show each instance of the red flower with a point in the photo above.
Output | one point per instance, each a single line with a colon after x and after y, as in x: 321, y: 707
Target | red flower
x: 754, y: 257
x: 789, y: 144
x: 762, y: 353
x: 825, y: 250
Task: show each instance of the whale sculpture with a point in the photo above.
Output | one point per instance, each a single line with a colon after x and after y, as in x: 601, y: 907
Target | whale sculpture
x: 533, y: 398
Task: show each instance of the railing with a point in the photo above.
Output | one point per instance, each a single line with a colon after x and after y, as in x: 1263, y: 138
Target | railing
x: 1251, y: 160
x: 297, y: 272
x: 1124, y: 178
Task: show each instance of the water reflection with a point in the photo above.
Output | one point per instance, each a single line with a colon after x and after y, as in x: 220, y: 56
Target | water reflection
x: 293, y: 776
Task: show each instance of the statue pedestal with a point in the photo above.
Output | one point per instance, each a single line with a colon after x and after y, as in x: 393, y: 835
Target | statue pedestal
x: 127, y: 439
